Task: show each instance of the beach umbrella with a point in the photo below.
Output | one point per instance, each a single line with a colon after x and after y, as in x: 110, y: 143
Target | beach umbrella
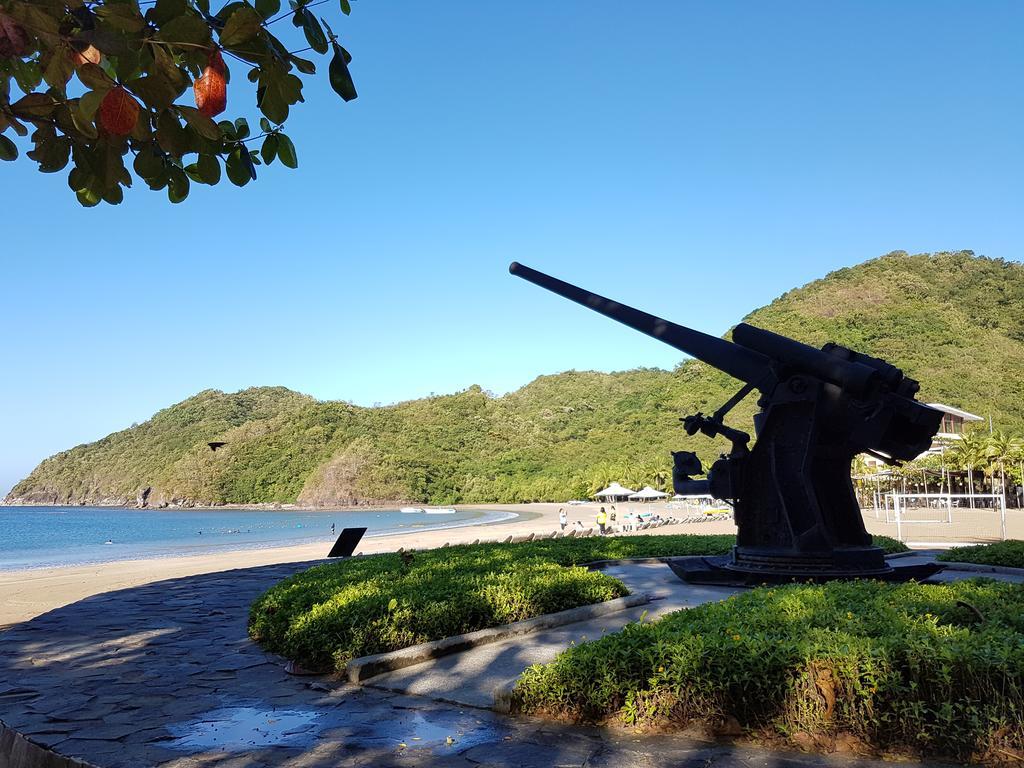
x: 614, y: 491
x: 647, y: 494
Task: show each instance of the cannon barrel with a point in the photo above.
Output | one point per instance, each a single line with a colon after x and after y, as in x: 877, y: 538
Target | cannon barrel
x: 855, y: 377
x: 742, y: 363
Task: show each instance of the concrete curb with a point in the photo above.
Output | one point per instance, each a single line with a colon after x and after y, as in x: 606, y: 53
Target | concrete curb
x: 978, y: 568
x: 503, y: 698
x: 365, y: 667
x: 598, y: 564
x: 896, y: 555
x: 16, y: 751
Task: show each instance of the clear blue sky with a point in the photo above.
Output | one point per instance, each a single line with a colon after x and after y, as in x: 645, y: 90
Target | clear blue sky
x: 650, y: 151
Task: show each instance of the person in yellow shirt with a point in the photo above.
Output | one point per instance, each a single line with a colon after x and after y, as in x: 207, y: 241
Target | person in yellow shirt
x: 602, y: 520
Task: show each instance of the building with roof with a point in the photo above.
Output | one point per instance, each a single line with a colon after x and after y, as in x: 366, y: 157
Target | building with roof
x: 954, y: 421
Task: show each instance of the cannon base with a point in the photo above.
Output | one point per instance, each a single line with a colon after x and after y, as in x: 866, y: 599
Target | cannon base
x: 753, y: 567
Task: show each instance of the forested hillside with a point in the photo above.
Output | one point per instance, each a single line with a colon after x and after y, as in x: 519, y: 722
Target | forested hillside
x: 952, y: 320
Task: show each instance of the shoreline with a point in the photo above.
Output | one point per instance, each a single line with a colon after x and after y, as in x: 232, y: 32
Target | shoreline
x: 229, y: 549
x: 29, y: 592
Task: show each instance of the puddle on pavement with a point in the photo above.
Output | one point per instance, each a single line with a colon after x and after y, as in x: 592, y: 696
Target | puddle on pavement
x: 414, y: 731
x: 240, y: 728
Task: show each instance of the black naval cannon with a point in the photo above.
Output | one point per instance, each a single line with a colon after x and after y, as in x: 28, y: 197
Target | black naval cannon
x: 794, y: 505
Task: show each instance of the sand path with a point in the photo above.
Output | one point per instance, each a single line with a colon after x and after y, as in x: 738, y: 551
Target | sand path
x: 31, y: 592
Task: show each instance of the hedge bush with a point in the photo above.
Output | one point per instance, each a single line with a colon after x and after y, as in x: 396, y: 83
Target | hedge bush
x: 1006, y: 553
x: 939, y: 669
x: 332, y: 613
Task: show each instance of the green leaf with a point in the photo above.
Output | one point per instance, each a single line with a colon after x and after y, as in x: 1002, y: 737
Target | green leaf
x: 165, y: 66
x: 166, y: 10
x: 346, y: 7
x: 177, y: 185
x: 89, y: 103
x: 35, y: 105
x: 83, y: 122
x: 187, y: 28
x: 93, y: 76
x: 265, y: 125
x: 27, y: 74
x: 237, y: 166
x: 277, y: 90
x: 269, y: 149
x: 170, y: 135
x: 268, y: 8
x: 242, y: 128
x: 209, y: 169
x: 340, y: 77
x: 58, y: 69
x: 148, y: 164
x: 78, y: 179
x: 203, y: 125
x: 155, y: 90
x: 127, y: 65
x: 19, y: 129
x: 312, y: 29
x: 305, y: 66
x: 114, y: 195
x: 8, y: 150
x: 88, y: 197
x: 286, y: 151
x: 124, y: 17
x: 392, y: 604
x: 51, y: 151
x: 242, y: 25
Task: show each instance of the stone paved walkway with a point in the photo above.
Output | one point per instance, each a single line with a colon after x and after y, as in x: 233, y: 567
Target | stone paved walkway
x: 164, y: 675
x: 471, y: 677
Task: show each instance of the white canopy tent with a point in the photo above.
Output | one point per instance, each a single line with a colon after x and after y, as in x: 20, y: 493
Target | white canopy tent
x: 647, y: 494
x: 614, y: 491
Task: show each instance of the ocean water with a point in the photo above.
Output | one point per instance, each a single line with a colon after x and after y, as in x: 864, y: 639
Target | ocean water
x: 38, y: 537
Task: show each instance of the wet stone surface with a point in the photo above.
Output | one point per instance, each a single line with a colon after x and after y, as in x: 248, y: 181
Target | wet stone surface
x: 165, y: 675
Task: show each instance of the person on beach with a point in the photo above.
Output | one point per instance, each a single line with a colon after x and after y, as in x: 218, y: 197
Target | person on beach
x: 602, y: 520
x: 332, y: 527
x: 562, y: 519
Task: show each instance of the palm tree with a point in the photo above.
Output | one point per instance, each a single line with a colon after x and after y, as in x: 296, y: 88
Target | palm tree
x: 999, y: 449
x: 969, y: 454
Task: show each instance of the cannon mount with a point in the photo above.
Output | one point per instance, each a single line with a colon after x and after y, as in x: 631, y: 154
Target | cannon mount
x: 795, y: 509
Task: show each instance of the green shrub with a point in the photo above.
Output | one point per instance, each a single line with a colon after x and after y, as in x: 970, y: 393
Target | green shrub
x: 895, y: 665
x: 1005, y: 553
x: 332, y: 613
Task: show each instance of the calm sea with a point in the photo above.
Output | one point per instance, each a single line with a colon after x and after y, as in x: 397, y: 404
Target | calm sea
x: 37, y: 537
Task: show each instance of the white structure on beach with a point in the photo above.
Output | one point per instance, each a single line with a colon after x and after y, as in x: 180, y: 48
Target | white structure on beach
x: 614, y: 492
x: 647, y: 494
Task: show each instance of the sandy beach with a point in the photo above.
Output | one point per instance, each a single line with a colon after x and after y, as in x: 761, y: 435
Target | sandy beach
x: 30, y: 592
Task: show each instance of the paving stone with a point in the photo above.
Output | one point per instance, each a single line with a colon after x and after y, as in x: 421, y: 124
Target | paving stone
x: 145, y: 658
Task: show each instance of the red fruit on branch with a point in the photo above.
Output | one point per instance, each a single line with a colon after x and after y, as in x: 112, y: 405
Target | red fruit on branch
x: 118, y: 112
x: 88, y: 55
x: 14, y: 39
x: 211, y: 89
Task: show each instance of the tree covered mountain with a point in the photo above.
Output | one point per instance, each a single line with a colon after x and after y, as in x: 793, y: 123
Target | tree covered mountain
x: 952, y: 320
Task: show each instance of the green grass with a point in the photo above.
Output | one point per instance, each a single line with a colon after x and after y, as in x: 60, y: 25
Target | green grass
x: 897, y: 666
x: 1006, y: 553
x: 332, y: 613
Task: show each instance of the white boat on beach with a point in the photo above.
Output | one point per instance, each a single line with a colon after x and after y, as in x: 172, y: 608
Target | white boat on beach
x: 441, y: 511
x: 411, y: 510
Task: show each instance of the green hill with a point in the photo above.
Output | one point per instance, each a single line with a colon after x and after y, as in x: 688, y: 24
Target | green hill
x: 952, y: 320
